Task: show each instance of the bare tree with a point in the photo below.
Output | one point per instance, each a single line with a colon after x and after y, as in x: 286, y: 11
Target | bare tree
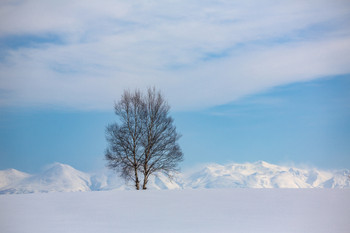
x: 145, y: 140
x: 161, y: 150
x: 124, y: 152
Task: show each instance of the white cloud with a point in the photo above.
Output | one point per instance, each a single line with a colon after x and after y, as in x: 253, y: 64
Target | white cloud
x: 200, y: 53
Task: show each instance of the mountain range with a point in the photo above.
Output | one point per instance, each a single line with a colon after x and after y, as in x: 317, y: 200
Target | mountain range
x: 59, y: 177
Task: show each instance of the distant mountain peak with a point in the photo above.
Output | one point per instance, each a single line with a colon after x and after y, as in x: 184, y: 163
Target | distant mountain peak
x: 58, y: 166
x: 11, y: 176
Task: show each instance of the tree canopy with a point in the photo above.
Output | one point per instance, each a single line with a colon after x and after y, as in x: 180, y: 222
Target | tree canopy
x: 144, y: 141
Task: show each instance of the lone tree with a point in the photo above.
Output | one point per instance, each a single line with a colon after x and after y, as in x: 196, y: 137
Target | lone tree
x: 144, y: 142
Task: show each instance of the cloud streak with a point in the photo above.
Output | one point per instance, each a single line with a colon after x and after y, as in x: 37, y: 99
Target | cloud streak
x: 200, y: 53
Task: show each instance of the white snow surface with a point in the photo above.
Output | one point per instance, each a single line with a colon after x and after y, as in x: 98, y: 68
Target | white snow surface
x: 188, y: 210
x: 64, y: 178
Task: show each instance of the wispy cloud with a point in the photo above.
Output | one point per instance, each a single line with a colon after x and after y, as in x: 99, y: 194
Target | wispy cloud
x: 82, y: 54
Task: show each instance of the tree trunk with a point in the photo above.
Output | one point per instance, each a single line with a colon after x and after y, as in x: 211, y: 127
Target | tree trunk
x: 137, y: 182
x: 144, y: 187
x: 145, y: 175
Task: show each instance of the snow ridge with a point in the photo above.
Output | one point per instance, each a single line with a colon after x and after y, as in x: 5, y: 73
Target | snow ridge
x: 64, y: 178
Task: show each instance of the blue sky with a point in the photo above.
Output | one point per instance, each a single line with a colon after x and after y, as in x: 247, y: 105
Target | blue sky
x: 253, y: 80
x: 306, y: 124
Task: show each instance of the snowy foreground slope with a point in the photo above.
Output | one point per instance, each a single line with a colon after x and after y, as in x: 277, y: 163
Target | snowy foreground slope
x: 64, y: 178
x: 207, y: 210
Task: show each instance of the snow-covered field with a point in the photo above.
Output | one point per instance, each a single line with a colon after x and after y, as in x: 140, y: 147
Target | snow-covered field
x: 206, y: 210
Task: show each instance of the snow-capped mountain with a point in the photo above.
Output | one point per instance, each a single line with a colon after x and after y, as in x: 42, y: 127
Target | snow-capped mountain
x: 64, y: 178
x: 55, y: 178
x: 264, y: 175
x: 59, y: 177
x: 11, y: 176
